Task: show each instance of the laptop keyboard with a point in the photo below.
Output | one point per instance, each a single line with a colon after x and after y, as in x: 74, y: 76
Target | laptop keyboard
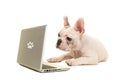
x: 47, y: 66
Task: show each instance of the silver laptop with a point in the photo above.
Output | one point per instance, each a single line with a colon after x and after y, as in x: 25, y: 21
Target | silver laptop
x: 31, y: 50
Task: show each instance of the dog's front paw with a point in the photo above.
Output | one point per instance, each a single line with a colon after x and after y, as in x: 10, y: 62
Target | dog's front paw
x: 71, y: 62
x: 55, y: 59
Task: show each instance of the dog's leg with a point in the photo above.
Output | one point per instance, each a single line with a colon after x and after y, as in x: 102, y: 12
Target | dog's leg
x: 60, y: 58
x: 85, y: 60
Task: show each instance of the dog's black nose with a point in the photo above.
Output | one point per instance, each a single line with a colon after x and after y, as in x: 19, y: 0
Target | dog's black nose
x: 58, y: 42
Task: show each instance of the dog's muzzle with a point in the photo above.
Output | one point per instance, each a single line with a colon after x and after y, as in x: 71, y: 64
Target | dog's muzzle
x: 58, y: 43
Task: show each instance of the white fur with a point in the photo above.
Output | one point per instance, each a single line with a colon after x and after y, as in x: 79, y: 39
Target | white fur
x: 83, y: 49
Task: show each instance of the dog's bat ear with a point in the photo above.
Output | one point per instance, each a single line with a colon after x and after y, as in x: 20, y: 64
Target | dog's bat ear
x: 66, y: 23
x: 79, y: 25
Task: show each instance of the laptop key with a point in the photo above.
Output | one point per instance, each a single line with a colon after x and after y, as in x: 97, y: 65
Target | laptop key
x: 47, y: 66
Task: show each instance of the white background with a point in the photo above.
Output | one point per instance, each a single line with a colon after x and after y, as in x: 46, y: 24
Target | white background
x: 102, y: 20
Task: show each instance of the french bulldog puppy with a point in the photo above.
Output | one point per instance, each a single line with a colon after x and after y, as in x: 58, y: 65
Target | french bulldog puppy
x: 82, y: 49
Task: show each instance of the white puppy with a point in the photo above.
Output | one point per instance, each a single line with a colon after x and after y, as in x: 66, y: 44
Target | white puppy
x: 83, y: 50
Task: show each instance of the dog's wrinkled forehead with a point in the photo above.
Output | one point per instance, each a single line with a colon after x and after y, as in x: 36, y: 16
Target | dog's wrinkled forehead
x: 66, y: 31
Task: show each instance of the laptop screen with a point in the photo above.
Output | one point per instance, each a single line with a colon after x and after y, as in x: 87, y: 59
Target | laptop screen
x: 31, y: 47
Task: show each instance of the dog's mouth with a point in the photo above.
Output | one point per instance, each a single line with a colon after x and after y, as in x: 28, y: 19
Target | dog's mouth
x: 61, y: 47
x: 64, y: 49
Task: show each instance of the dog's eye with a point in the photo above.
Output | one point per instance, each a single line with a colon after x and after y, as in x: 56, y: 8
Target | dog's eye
x: 69, y: 39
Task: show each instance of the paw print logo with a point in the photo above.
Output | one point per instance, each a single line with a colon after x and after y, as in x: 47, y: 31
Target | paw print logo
x: 30, y: 45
